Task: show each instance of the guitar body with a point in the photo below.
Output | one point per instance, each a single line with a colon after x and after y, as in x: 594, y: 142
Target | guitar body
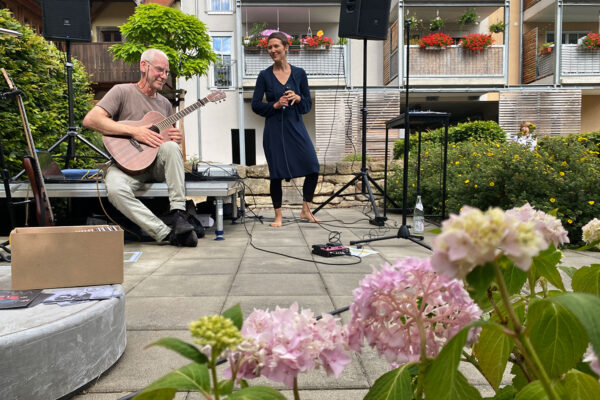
x: 130, y: 158
x: 134, y: 157
x: 34, y: 175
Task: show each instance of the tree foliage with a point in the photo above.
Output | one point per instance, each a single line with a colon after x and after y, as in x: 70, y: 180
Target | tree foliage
x: 181, y: 36
x: 38, y: 69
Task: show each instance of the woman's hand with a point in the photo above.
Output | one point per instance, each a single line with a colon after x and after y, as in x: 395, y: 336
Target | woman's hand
x: 292, y: 97
x: 282, y: 102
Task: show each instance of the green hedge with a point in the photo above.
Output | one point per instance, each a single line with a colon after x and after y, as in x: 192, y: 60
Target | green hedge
x: 475, y: 131
x: 562, y: 173
x: 38, y: 68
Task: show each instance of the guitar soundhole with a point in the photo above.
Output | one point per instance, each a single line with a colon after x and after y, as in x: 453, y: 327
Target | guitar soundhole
x: 155, y: 129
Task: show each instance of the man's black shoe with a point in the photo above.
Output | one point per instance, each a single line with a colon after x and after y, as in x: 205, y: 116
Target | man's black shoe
x: 180, y: 223
x: 188, y: 239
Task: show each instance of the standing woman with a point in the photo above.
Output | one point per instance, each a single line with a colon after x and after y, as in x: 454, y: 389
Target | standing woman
x: 288, y: 148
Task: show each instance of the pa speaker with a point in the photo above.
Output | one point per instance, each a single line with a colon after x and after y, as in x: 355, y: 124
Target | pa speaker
x: 364, y: 19
x: 66, y: 20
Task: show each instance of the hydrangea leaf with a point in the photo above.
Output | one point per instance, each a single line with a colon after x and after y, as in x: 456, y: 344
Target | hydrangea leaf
x: 545, y: 265
x: 514, y: 278
x: 395, y: 384
x: 557, y: 336
x: 492, y: 351
x: 481, y: 277
x: 158, y: 394
x: 235, y: 314
x: 586, y: 308
x: 506, y: 393
x: 189, y: 377
x: 519, y: 380
x: 533, y: 391
x: 587, y: 280
x: 443, y: 381
x: 580, y: 386
x: 179, y: 346
x: 256, y: 393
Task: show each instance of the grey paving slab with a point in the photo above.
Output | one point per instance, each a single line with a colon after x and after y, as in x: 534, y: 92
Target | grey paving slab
x: 192, y: 265
x: 276, y: 265
x: 163, y: 313
x: 117, y: 395
x: 365, y: 267
x: 4, y: 269
x: 277, y: 285
x: 182, y: 286
x: 216, y: 251
x: 318, y: 304
x: 131, y: 281
x: 299, y: 251
x: 342, y: 284
x: 139, y: 366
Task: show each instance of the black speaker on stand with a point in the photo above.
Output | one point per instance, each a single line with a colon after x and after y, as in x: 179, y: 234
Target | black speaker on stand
x: 364, y: 20
x: 69, y: 20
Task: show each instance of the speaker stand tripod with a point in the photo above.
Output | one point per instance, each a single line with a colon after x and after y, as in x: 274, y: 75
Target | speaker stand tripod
x: 72, y: 132
x: 403, y: 231
x: 363, y: 176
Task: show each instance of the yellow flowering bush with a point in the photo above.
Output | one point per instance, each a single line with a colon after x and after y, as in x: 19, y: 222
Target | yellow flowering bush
x: 563, y: 173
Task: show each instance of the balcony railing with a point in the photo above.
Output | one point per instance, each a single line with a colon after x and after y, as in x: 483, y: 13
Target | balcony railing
x: 578, y: 61
x: 329, y: 63
x: 100, y: 65
x: 457, y: 62
x: 545, y: 65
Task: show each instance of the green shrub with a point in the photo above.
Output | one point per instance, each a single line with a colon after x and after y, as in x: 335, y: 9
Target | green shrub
x: 474, y: 131
x: 563, y: 173
x: 398, y: 149
x: 37, y: 68
x: 355, y: 157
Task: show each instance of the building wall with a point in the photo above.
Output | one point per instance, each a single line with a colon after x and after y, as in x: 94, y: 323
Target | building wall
x: 590, y: 118
x: 115, y: 14
x: 514, y: 46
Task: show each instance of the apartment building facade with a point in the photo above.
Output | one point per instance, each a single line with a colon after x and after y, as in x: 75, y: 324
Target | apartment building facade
x: 511, y: 81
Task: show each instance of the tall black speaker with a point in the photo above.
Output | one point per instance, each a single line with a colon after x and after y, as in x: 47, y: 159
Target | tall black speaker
x: 364, y: 19
x: 67, y: 20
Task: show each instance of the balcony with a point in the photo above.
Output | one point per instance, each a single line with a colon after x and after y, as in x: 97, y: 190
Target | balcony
x: 323, y: 67
x: 577, y: 66
x: 100, y: 65
x: 455, y: 66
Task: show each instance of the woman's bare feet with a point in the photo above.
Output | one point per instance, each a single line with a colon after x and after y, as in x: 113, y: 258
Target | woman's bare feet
x: 307, y: 214
x: 278, y: 219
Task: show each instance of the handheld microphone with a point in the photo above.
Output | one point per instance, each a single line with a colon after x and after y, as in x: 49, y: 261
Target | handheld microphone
x: 287, y: 87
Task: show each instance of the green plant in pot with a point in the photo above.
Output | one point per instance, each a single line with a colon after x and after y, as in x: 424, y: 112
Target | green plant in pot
x: 497, y: 27
x: 470, y: 17
x: 436, y: 24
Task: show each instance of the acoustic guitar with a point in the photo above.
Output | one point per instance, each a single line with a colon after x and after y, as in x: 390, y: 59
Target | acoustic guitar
x: 134, y: 157
x: 43, y: 209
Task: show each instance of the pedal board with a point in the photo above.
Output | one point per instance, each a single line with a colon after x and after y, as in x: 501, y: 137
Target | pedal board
x: 330, y: 250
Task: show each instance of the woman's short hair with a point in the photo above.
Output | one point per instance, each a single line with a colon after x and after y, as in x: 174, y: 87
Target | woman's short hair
x: 281, y: 36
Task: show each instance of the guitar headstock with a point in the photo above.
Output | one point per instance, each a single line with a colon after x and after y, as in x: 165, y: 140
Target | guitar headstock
x: 216, y: 96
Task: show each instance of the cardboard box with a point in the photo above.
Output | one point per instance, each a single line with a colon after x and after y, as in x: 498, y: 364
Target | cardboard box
x: 64, y: 256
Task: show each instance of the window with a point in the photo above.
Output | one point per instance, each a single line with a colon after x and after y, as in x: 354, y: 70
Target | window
x: 222, y: 72
x: 220, y: 5
x: 110, y: 35
x: 567, y: 37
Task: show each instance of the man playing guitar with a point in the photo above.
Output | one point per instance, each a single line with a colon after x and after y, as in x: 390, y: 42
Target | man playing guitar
x: 125, y: 102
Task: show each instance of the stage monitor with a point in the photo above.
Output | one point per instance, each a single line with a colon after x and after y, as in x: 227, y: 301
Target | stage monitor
x: 66, y: 20
x: 364, y: 19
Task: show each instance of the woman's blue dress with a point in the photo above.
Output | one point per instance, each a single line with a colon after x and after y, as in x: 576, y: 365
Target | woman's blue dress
x: 289, y: 151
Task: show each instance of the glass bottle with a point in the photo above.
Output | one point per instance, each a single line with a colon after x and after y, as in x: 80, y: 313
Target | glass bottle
x: 419, y: 217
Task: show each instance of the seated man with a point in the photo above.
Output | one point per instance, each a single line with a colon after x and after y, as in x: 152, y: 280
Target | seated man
x: 131, y: 102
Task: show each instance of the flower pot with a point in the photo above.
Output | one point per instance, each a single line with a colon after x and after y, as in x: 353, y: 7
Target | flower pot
x: 435, y: 48
x: 252, y: 49
x: 295, y: 48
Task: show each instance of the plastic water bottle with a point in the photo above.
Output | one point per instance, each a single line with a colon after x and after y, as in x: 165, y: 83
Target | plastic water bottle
x: 419, y: 217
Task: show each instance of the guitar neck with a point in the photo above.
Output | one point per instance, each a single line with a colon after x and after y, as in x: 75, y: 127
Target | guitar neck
x: 169, y: 121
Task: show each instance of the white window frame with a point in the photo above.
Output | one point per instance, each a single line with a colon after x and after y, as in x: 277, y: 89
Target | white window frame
x: 211, y: 73
x: 579, y: 33
x: 209, y: 10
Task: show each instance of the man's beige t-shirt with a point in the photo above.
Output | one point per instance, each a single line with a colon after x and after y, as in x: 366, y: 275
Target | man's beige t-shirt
x: 126, y: 102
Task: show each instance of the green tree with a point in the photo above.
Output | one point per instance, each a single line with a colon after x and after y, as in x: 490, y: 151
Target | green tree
x: 181, y: 36
x: 38, y: 69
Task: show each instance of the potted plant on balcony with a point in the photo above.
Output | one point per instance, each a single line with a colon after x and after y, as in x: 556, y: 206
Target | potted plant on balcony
x: 251, y: 42
x: 498, y: 27
x: 591, y: 41
x: 295, y: 44
x: 436, y: 24
x: 546, y: 48
x: 476, y: 41
x: 435, y: 41
x: 317, y: 42
x: 470, y: 17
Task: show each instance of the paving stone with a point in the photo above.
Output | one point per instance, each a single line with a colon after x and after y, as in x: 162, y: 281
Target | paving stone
x: 198, y: 266
x: 277, y: 285
x: 163, y: 313
x: 318, y: 304
x: 182, y: 286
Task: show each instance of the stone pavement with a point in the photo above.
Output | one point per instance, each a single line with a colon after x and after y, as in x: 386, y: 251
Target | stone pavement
x: 167, y: 287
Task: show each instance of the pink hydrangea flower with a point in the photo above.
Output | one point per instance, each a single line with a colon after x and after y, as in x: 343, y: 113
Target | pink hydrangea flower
x: 475, y: 237
x: 282, y: 343
x: 548, y: 225
x: 391, y: 302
